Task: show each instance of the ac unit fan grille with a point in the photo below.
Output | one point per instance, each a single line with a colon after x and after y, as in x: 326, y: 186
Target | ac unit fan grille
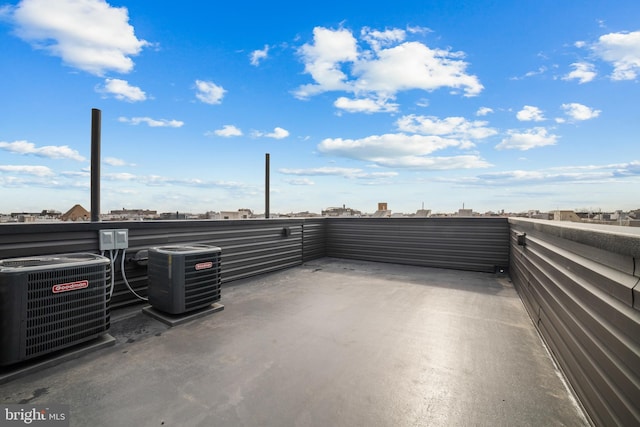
x: 198, y: 289
x: 57, y: 320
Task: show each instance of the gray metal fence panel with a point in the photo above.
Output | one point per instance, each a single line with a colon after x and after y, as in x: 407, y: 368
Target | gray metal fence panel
x: 314, y: 239
x: 249, y: 247
x: 478, y: 244
x: 578, y: 284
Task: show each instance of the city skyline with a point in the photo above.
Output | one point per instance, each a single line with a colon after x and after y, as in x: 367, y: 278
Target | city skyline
x: 496, y: 106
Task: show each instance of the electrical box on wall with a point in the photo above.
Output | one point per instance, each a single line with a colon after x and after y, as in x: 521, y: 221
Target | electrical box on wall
x: 107, y: 241
x: 114, y: 239
x: 121, y: 238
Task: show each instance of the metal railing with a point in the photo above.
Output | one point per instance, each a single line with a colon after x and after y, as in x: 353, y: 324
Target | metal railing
x: 580, y: 284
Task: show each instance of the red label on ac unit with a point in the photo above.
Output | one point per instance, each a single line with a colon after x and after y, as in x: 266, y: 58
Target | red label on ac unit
x: 204, y: 265
x: 73, y: 286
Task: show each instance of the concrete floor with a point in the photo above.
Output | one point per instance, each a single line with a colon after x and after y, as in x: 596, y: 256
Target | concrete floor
x: 330, y: 343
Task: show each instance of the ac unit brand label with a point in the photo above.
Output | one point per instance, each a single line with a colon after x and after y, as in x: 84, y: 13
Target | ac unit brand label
x: 204, y: 265
x: 73, y: 286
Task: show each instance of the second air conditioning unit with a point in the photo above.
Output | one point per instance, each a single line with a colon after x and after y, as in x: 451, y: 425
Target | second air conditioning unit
x: 183, y: 278
x: 48, y: 303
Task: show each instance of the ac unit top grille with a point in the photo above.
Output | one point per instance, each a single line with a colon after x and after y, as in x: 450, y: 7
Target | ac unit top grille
x: 186, y: 249
x: 36, y: 263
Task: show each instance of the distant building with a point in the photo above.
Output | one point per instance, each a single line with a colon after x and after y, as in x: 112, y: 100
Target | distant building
x: 44, y: 215
x: 343, y: 211
x: 76, y: 213
x: 50, y: 214
x: 239, y: 214
x: 566, y: 215
x: 26, y: 218
x: 130, y: 215
x: 175, y: 215
x: 423, y: 213
x: 465, y: 212
x: 382, y: 212
x: 305, y: 214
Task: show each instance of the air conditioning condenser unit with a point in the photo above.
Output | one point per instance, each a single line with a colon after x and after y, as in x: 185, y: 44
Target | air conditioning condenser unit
x: 183, y: 278
x: 48, y: 303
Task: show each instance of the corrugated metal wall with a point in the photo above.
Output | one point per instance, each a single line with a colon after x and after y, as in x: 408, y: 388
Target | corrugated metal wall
x: 251, y: 247
x: 314, y: 239
x: 248, y: 247
x: 475, y: 243
x: 580, y: 285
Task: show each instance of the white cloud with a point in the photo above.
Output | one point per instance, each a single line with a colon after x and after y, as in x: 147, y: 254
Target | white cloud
x: 558, y: 175
x: 50, y: 151
x: 626, y: 169
x: 622, y: 50
x: 530, y: 114
x: 419, y: 30
x: 278, y: 133
x: 389, y: 67
x: 227, y: 131
x: 122, y: 90
x: 379, y: 39
x: 89, y: 35
x: 77, y: 174
x: 152, y: 122
x: 322, y: 60
x: 454, y: 127
x: 531, y: 138
x: 413, y: 65
x: 483, y: 111
x: 323, y: 171
x: 300, y: 181
x: 364, y: 105
x: 27, y: 170
x: 351, y: 173
x: 258, y: 55
x: 114, y: 161
x: 122, y: 176
x: 580, y: 112
x: 209, y: 92
x: 470, y: 161
x: 584, y: 72
x: 387, y: 145
x: 539, y: 71
x: 401, y: 150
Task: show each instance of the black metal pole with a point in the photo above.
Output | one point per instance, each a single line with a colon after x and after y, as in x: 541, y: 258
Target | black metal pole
x: 266, y: 187
x: 95, y: 164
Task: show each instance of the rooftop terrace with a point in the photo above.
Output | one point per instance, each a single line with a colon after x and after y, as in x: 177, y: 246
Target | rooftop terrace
x: 465, y: 321
x: 331, y: 342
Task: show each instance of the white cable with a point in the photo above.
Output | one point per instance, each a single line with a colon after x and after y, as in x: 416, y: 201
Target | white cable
x: 113, y: 272
x: 126, y: 282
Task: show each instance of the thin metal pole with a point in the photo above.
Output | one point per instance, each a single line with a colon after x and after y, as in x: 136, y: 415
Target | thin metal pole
x: 95, y: 164
x: 266, y: 187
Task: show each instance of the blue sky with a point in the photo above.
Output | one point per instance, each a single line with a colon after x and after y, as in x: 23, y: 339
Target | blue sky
x: 512, y: 105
